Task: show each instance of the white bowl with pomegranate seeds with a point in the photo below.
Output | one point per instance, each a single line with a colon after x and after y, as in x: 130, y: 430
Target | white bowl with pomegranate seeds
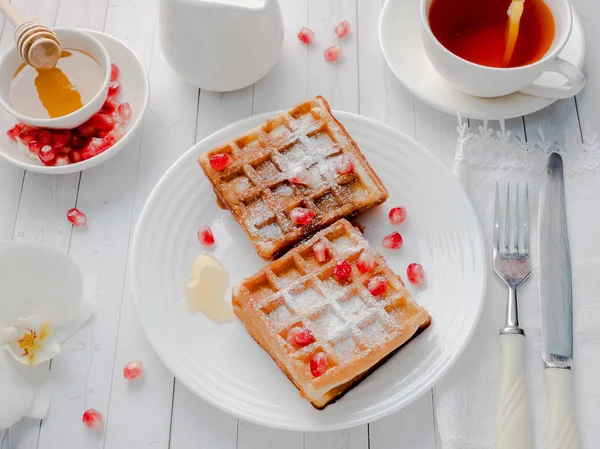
x: 103, y: 136
x: 222, y: 363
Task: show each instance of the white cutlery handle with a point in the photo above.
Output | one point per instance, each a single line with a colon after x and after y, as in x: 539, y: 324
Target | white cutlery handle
x: 562, y: 433
x: 513, y: 423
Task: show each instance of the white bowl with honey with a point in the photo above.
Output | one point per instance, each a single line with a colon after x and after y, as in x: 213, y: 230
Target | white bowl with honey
x: 62, y: 97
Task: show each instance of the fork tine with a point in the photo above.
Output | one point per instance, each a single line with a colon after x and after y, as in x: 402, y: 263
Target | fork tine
x: 526, y: 220
x: 507, y: 218
x: 516, y: 224
x: 496, y: 239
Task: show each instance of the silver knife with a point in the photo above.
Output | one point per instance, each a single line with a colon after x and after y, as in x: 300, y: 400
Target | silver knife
x: 557, y: 308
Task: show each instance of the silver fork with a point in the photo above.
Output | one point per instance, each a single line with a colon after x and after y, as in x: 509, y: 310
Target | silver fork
x: 511, y: 264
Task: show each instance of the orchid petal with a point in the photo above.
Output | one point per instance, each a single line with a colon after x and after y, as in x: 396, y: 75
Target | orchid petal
x: 16, y: 395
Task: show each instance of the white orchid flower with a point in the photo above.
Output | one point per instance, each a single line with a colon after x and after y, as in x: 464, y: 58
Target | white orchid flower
x: 41, y: 305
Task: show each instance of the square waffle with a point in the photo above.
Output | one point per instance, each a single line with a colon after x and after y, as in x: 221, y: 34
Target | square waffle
x: 355, y: 330
x: 255, y: 185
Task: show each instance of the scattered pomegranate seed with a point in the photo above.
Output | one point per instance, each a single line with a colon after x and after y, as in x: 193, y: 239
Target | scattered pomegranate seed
x: 78, y: 142
x: 377, y: 285
x: 25, y: 137
x: 332, y: 53
x: 415, y: 274
x: 342, y: 28
x: 318, y: 364
x: 306, y: 35
x: 14, y: 132
x: 320, y: 251
x: 114, y: 72
x: 392, y: 241
x: 43, y: 137
x: 93, y: 419
x: 397, y: 214
x: 302, y: 215
x: 34, y: 147
x: 114, y: 88
x: 366, y: 262
x: 76, y: 217
x: 109, y: 106
x: 62, y: 158
x: 47, y: 155
x: 360, y: 228
x: 342, y: 270
x: 75, y: 156
x: 300, y: 336
x: 345, y: 166
x: 102, y: 121
x: 87, y: 129
x: 61, y: 139
x: 117, y: 133
x: 302, y: 177
x: 133, y: 370
x: 124, y: 111
x: 205, y: 236
x: 220, y: 161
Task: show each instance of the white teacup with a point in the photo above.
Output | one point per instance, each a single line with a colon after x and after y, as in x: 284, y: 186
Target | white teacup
x: 483, y: 81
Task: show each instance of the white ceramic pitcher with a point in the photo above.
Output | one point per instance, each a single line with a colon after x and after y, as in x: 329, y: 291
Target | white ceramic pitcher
x: 221, y: 45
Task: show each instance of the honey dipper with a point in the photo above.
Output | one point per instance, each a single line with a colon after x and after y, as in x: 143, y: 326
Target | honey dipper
x: 37, y: 44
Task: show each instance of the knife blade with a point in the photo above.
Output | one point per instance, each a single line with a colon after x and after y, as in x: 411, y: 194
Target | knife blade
x: 556, y: 301
x: 555, y: 269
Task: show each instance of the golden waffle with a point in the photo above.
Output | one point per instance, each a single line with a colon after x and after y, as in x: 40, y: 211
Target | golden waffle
x: 255, y: 186
x: 356, y: 330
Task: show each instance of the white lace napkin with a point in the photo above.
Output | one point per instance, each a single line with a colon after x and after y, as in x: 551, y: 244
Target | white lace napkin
x: 465, y: 401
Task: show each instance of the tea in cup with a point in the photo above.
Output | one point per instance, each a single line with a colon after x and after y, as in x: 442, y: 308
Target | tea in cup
x: 465, y: 40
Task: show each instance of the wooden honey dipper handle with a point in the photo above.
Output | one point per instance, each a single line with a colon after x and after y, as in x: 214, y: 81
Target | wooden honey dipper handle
x: 37, y: 44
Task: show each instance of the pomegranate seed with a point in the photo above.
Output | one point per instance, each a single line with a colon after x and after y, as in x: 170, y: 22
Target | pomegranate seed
x: 98, y: 145
x: 397, y: 214
x: 302, y: 216
x: 43, y: 137
x: 78, y: 142
x: 377, y: 285
x: 299, y: 336
x: 47, y: 155
x: 332, y: 53
x: 205, y: 236
x: 88, y: 152
x: 114, y: 72
x: 76, y: 217
x: 342, y: 270
x: 320, y: 251
x: 25, y: 137
x: 220, y: 161
x: 302, y: 177
x: 14, y: 132
x: 114, y: 88
x: 87, y: 129
x: 34, y: 147
x: 318, y: 364
x: 62, y: 159
x: 392, y: 241
x: 345, y: 166
x: 415, y: 274
x: 75, y: 156
x: 124, y: 111
x: 102, y: 121
x: 366, y: 262
x: 116, y: 134
x: 61, y: 139
x: 306, y: 35
x: 133, y: 370
x: 342, y: 28
x: 360, y: 228
x: 102, y: 133
x: 93, y: 419
x: 109, y: 106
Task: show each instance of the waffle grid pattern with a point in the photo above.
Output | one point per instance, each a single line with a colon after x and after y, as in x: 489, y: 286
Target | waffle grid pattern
x: 346, y: 320
x: 256, y: 189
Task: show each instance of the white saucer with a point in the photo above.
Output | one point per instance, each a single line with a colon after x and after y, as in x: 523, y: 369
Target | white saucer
x: 402, y: 47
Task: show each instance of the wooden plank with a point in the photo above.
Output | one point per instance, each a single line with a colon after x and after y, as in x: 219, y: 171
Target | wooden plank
x: 252, y: 436
x: 354, y: 438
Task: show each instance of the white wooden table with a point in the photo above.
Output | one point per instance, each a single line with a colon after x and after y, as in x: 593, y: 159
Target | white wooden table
x: 158, y: 412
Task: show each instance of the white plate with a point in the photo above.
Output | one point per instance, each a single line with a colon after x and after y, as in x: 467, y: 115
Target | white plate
x: 135, y: 90
x: 402, y: 47
x: 223, y: 365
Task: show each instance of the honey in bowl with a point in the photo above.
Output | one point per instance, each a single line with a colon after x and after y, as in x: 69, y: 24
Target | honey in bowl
x: 475, y: 30
x: 51, y: 93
